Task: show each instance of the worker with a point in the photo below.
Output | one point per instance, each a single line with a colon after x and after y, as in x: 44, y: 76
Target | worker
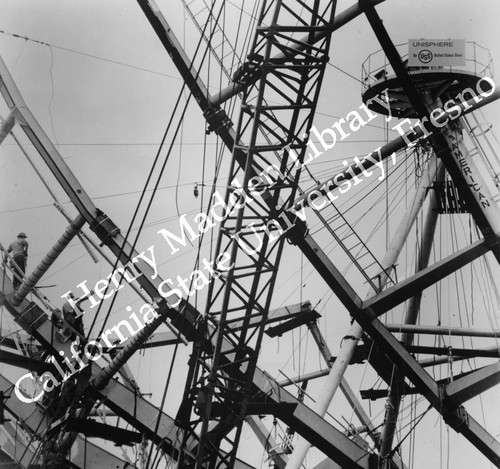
x: 19, y: 249
x: 73, y: 315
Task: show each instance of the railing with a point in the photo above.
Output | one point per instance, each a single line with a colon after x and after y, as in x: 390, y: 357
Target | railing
x: 376, y: 67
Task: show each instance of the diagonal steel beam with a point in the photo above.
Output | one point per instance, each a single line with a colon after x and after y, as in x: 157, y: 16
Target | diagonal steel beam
x: 27, y: 363
x: 401, y: 292
x: 473, y: 384
x: 486, y: 214
x: 184, y: 316
x: 33, y: 420
x: 327, y: 438
x: 273, y: 449
x: 340, y: 20
x: 407, y: 364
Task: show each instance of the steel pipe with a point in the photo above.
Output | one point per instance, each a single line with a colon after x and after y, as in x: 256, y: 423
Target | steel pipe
x: 443, y: 330
x: 340, y: 20
x: 133, y: 344
x: 30, y: 281
x: 354, y: 334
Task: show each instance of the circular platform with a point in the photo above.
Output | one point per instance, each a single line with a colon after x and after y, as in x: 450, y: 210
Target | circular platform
x: 431, y: 81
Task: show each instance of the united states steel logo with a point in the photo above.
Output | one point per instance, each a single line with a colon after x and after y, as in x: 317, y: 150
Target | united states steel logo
x: 425, y: 56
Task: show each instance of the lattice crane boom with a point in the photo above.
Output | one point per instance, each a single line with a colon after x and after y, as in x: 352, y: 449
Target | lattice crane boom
x: 359, y: 310
x: 225, y: 385
x: 266, y: 134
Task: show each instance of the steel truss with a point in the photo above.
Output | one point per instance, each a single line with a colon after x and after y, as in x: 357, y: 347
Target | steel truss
x: 273, y: 138
x: 98, y: 383
x: 448, y: 145
x: 363, y: 312
x: 226, y: 366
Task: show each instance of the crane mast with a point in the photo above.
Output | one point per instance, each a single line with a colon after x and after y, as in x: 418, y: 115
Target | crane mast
x: 278, y: 87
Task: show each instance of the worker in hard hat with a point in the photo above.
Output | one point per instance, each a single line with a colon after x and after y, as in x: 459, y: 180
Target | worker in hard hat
x: 19, y: 250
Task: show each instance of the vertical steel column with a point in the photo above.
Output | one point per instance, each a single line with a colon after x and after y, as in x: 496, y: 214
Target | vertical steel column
x: 412, y: 312
x: 474, y: 179
x: 354, y: 334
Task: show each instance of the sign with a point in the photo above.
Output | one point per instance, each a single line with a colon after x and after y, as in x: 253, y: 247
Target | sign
x: 436, y: 52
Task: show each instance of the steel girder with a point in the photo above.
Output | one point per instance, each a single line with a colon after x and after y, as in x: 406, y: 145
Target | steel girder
x: 111, y: 231
x: 444, y: 143
x: 450, y: 150
x: 343, y: 290
x: 33, y: 419
x: 123, y: 400
x: 184, y: 317
x: 270, y: 136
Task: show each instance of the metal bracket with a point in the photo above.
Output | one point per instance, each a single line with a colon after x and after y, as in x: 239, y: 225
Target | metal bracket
x: 457, y: 418
x: 216, y: 120
x: 104, y: 228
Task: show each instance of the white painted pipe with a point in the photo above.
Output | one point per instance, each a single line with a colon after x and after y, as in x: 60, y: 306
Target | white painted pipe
x: 354, y: 334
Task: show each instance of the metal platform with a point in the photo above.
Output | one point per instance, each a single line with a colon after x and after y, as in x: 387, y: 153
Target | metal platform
x: 378, y: 76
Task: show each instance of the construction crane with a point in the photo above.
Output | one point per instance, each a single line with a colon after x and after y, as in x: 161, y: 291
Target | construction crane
x: 278, y: 87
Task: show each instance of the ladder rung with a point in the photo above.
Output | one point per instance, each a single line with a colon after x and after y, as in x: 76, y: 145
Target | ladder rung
x: 363, y: 255
x: 347, y: 237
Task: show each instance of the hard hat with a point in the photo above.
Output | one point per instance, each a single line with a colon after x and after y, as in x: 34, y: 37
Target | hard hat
x: 22, y: 235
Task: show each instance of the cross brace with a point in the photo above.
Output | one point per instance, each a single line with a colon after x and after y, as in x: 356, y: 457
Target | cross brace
x: 473, y: 384
x: 351, y: 300
x: 401, y: 292
x: 119, y: 398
